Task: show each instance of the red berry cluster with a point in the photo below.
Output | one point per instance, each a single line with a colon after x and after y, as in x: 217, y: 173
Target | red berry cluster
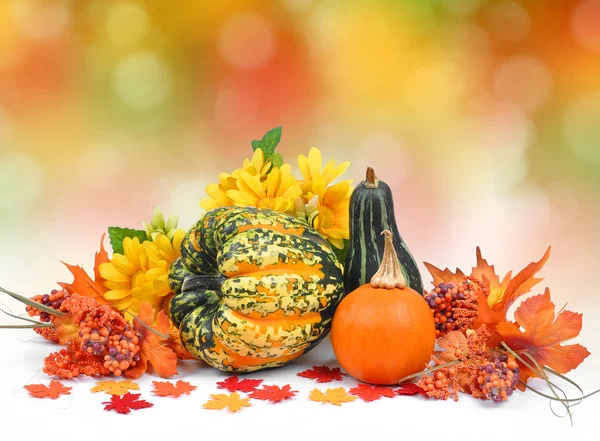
x: 53, y: 300
x: 106, y: 343
x: 71, y: 362
x: 104, y: 333
x: 454, y: 307
x: 498, y: 378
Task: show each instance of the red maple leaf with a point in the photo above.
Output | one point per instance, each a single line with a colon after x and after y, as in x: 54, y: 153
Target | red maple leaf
x: 323, y: 374
x: 542, y: 335
x: 233, y: 384
x: 410, y: 389
x: 53, y: 391
x: 371, y: 393
x: 274, y: 394
x: 126, y: 403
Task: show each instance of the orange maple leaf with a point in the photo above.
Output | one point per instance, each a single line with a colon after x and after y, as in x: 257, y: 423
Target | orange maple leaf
x: 53, y: 391
x: 233, y: 402
x: 542, y: 335
x: 168, y: 389
x: 83, y: 284
x: 336, y: 396
x: 154, y: 351
x: 445, y: 276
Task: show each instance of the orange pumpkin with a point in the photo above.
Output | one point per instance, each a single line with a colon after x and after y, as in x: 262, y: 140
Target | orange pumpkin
x: 383, y: 331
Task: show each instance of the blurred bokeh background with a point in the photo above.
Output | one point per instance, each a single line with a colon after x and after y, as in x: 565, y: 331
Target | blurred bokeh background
x: 482, y: 115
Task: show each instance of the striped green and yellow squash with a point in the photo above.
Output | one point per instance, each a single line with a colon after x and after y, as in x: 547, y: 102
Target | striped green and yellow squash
x: 254, y: 289
x: 371, y: 213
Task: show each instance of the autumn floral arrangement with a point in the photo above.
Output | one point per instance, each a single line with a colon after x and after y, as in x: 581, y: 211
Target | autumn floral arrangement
x: 311, y: 256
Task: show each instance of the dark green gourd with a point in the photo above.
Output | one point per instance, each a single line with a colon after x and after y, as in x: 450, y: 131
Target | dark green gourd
x: 371, y: 213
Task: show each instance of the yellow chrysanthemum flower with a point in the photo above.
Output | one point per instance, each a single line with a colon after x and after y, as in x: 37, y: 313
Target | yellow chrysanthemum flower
x: 141, y: 273
x: 257, y: 166
x: 311, y: 167
x: 330, y: 213
x: 331, y: 219
x: 279, y: 192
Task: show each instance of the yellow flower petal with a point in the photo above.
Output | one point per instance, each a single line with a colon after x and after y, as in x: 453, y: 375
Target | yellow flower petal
x: 116, y: 294
x: 251, y: 184
x: 243, y: 199
x: 153, y: 252
x: 216, y: 192
x: 161, y: 288
x: 177, y: 240
x: 117, y: 285
x: 122, y: 265
x: 209, y: 204
x: 315, y: 161
x: 272, y: 183
x: 130, y: 248
x: 336, y: 193
x: 304, y: 169
x: 330, y: 172
x: 109, y: 272
x: 154, y: 274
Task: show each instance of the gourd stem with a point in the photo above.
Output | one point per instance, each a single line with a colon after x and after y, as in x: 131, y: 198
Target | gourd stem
x: 389, y: 275
x: 371, y: 181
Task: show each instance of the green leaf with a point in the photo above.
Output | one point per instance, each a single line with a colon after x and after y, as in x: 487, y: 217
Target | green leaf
x: 269, y: 142
x: 117, y: 234
x: 277, y: 160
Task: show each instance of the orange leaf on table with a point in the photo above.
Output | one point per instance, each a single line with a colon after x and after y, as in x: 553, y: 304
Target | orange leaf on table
x: 154, y: 351
x: 233, y: 402
x: 274, y: 394
x: 411, y: 389
x: 323, y: 374
x: 234, y: 384
x: 53, y: 391
x: 83, y: 284
x: 126, y: 403
x: 370, y: 393
x: 542, y: 335
x: 115, y: 387
x: 168, y: 389
x: 335, y: 396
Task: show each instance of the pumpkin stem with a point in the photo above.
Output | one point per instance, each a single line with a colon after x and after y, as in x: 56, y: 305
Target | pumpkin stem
x: 389, y: 275
x: 371, y: 181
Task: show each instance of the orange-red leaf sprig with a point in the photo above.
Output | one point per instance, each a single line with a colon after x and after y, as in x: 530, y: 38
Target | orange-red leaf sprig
x: 542, y: 336
x: 155, y: 352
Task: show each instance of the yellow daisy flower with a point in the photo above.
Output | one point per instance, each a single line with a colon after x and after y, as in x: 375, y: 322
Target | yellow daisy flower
x: 257, y: 166
x: 279, y: 192
x: 330, y: 213
x: 141, y: 273
x: 310, y: 167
